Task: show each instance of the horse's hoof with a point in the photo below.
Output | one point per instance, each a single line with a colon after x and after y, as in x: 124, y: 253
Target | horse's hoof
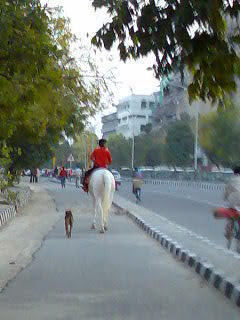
x: 93, y: 227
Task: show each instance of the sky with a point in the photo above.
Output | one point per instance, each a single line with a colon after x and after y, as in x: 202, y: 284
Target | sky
x: 132, y: 76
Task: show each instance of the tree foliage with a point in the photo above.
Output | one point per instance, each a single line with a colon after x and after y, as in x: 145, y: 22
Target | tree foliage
x: 83, y: 146
x: 149, y: 150
x: 219, y: 134
x: 120, y: 148
x: 198, y: 34
x: 44, y: 95
x: 179, y: 144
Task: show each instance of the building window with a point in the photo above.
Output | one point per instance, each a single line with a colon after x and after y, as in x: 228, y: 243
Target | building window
x: 124, y: 119
x: 151, y: 105
x: 143, y: 104
x: 141, y: 117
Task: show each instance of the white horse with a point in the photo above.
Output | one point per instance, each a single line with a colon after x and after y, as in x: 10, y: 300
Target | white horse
x: 101, y: 187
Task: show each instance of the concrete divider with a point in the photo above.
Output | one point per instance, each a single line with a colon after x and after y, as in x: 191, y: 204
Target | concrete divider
x: 190, y: 184
x: 8, y: 212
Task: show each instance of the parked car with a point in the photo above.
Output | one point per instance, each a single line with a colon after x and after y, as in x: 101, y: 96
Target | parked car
x: 117, y: 178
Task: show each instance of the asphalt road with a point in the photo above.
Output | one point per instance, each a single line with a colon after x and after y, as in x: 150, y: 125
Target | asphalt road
x: 120, y: 275
x: 189, y: 207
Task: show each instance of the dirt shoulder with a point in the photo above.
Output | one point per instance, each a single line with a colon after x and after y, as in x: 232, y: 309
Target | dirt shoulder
x: 24, y: 234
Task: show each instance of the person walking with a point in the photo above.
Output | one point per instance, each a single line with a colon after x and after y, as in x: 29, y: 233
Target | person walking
x: 78, y: 174
x: 37, y: 174
x: 31, y: 175
x: 70, y: 175
x: 63, y: 175
x: 55, y: 173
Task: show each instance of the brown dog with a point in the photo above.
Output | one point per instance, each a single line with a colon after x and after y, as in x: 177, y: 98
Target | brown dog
x: 68, y: 223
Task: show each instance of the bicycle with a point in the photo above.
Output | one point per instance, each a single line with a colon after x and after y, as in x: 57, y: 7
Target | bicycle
x: 138, y: 195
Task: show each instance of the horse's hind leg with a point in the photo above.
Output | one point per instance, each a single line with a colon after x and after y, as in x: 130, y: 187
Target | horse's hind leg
x: 71, y: 225
x: 106, y: 213
x: 66, y: 227
x: 100, y: 210
x: 93, y: 226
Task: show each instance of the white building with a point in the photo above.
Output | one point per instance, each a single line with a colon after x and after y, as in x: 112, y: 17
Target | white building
x: 109, y: 124
x: 134, y: 113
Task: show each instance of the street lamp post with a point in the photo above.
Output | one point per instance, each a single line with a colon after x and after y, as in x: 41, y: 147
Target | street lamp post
x: 133, y: 150
x: 196, y: 142
x: 85, y: 151
x: 133, y: 138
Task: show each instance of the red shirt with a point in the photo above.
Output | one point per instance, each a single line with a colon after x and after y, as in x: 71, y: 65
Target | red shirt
x: 101, y: 157
x: 63, y: 173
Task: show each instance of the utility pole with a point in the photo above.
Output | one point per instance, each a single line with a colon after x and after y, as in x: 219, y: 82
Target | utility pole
x: 85, y: 151
x: 133, y: 150
x: 196, y: 141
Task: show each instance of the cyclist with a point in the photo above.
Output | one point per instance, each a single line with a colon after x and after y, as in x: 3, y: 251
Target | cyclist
x: 137, y: 184
x: 232, y: 213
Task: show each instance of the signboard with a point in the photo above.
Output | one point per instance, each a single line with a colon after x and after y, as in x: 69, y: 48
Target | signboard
x: 70, y: 158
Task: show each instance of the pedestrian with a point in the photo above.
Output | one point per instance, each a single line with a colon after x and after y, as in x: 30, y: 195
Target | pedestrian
x: 101, y: 157
x: 78, y: 174
x: 31, y: 175
x: 55, y: 172
x: 63, y: 176
x: 37, y: 175
x: 70, y: 174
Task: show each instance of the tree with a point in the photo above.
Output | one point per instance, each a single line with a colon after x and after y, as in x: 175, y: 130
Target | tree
x: 62, y: 152
x: 120, y: 148
x: 179, y: 144
x: 84, y: 145
x: 155, y: 155
x: 186, y: 33
x: 44, y: 95
x: 219, y: 134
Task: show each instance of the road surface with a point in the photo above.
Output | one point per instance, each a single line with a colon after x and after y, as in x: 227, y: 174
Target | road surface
x: 189, y: 207
x: 121, y: 275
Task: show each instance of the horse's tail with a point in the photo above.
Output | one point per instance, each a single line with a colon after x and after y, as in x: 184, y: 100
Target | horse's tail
x: 108, y: 194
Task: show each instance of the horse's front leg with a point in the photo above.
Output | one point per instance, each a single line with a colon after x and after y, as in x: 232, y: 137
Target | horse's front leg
x: 93, y: 226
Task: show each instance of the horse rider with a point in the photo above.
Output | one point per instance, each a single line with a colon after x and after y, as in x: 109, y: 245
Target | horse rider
x: 101, y: 157
x: 232, y: 195
x: 137, y: 181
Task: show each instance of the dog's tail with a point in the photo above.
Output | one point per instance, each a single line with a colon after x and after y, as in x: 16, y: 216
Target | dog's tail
x: 108, y: 193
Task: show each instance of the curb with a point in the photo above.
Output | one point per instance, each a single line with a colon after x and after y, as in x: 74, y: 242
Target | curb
x: 11, y: 211
x: 205, y: 270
